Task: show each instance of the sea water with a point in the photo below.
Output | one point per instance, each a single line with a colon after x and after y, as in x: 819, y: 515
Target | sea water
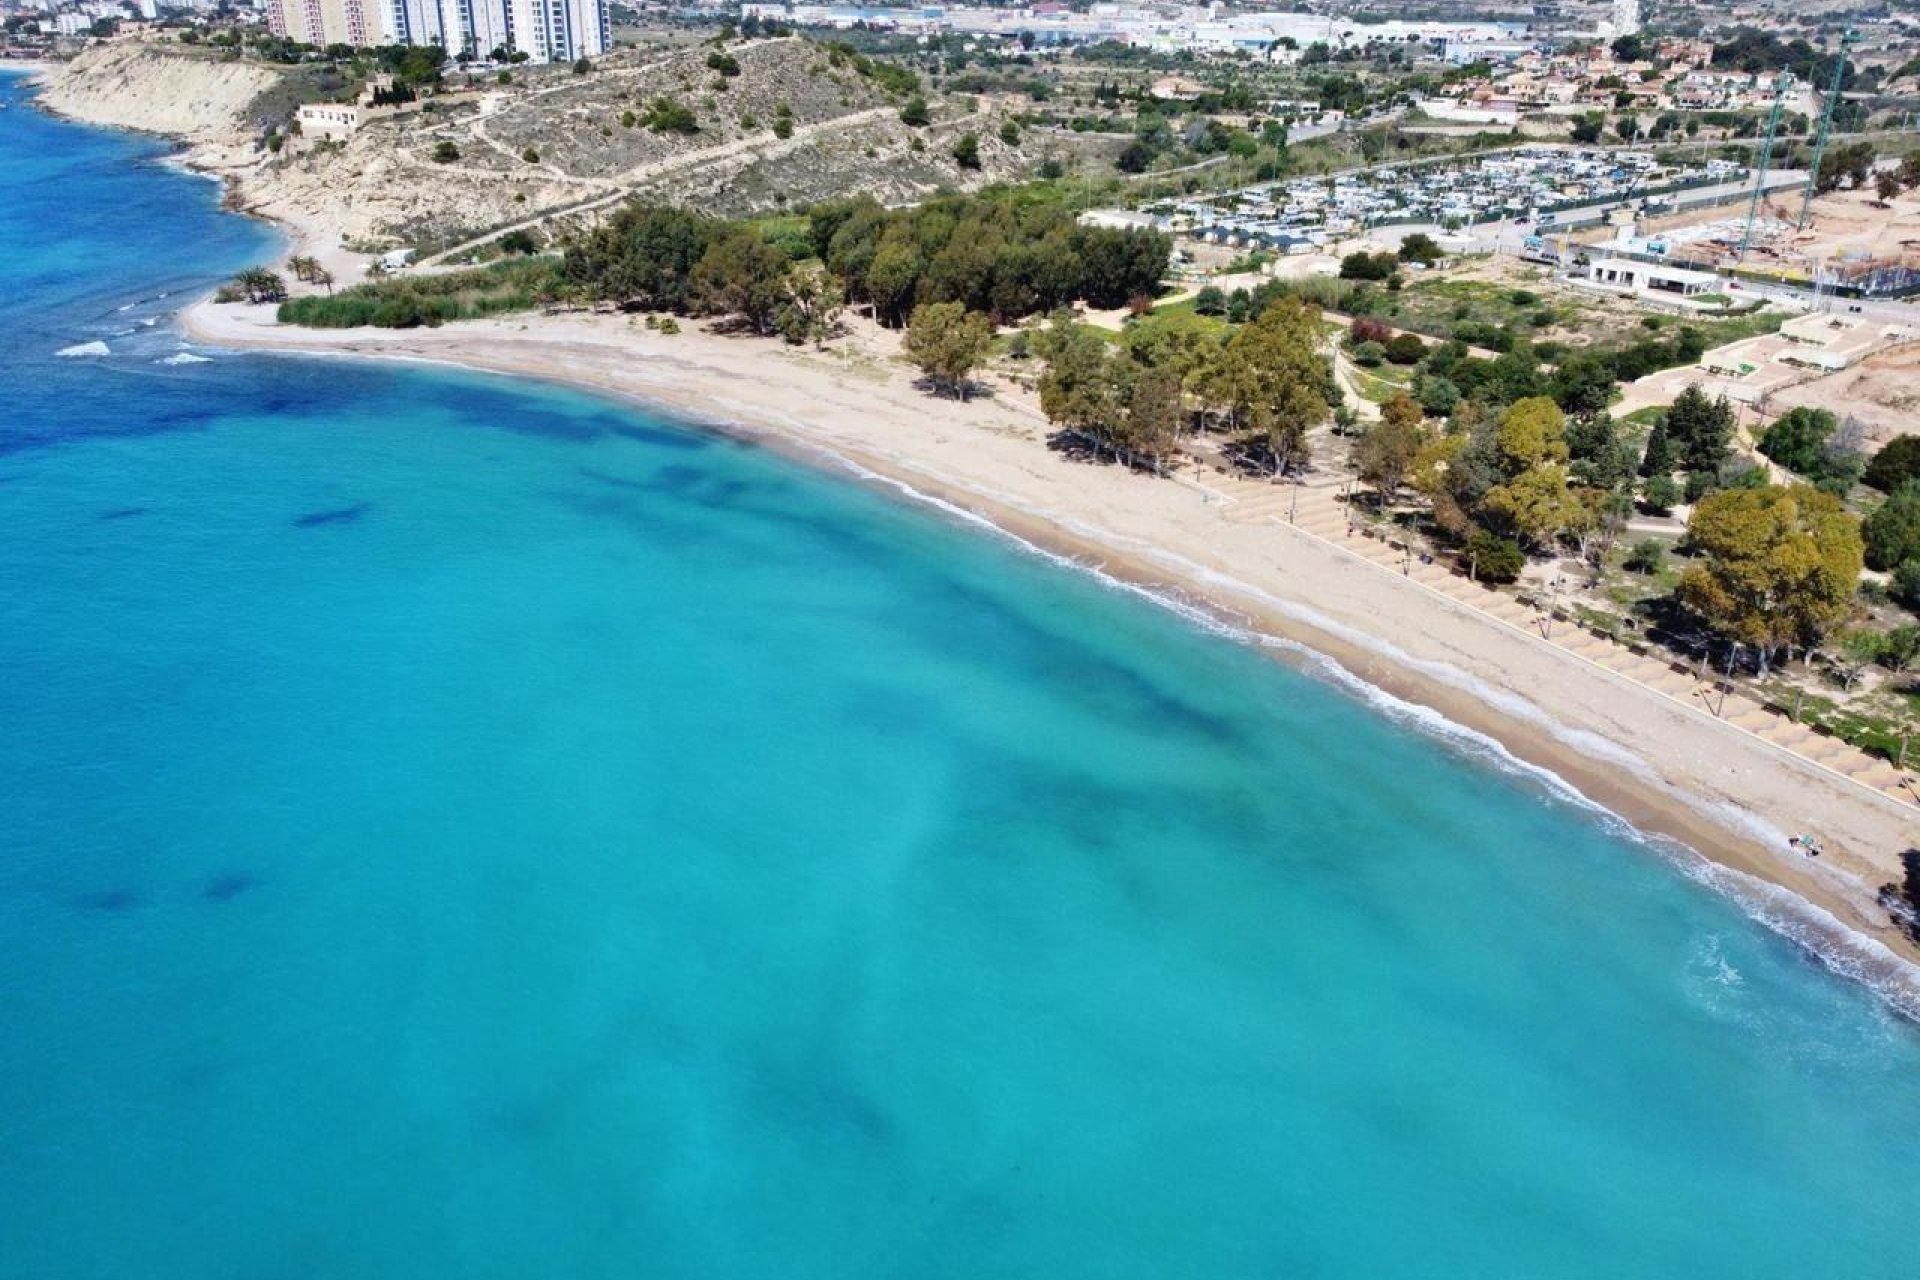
x: 450, y: 827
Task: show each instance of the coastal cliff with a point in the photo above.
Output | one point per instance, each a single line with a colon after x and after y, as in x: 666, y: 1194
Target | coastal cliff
x: 549, y: 149
x: 199, y: 97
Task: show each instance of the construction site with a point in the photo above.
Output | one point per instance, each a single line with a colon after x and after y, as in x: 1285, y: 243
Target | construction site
x: 1848, y: 243
x: 1856, y: 243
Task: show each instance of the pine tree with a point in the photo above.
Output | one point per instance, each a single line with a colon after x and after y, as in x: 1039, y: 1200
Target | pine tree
x: 1658, y: 459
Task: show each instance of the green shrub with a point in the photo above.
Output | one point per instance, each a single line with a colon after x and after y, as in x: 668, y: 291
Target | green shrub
x: 1662, y: 493
x: 444, y: 152
x: 512, y: 284
x: 1647, y: 556
x: 1896, y: 463
x: 1406, y: 348
x: 1492, y: 558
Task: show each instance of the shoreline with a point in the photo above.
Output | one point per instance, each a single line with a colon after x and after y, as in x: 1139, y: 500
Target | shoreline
x: 1732, y: 839
x: 1708, y: 797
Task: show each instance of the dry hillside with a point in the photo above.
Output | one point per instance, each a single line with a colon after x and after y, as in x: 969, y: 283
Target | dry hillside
x: 553, y: 148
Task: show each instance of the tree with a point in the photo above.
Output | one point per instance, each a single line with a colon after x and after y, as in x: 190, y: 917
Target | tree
x: 1892, y: 532
x: 582, y: 66
x: 1586, y: 130
x: 518, y: 241
x: 257, y: 284
x: 1437, y: 395
x: 1535, y: 506
x: 1492, y: 558
x: 914, y: 114
x: 1532, y: 432
x: 1583, y: 383
x: 1010, y: 133
x: 1906, y: 585
x: 1661, y: 493
x: 1077, y: 389
x: 1897, y: 462
x: 1210, y: 301
x: 1886, y: 185
x: 1856, y: 651
x: 1368, y: 266
x: 1272, y: 380
x: 665, y: 115
x: 1778, y: 566
x: 1386, y: 450
x: 1155, y: 409
x: 1659, y: 458
x: 966, y: 152
x: 444, y: 152
x: 1900, y: 648
x: 1701, y: 429
x: 1601, y: 459
x: 643, y: 256
x: 741, y: 275
x: 948, y: 342
x: 1420, y: 247
x: 1812, y: 443
x: 1406, y: 349
x: 811, y: 310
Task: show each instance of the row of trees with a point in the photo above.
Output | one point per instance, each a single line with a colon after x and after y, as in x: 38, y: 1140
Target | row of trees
x: 1001, y: 254
x: 1266, y: 386
x: 1007, y: 253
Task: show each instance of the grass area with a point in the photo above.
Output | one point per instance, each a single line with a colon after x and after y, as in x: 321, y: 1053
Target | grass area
x: 516, y: 284
x: 1489, y: 314
x: 1178, y: 317
x: 1380, y: 383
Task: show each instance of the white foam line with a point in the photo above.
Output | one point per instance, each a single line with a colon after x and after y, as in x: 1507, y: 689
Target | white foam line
x: 1838, y: 948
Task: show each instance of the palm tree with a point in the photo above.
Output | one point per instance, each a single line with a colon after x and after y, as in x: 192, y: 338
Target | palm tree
x: 322, y: 276
x: 302, y: 266
x: 261, y: 285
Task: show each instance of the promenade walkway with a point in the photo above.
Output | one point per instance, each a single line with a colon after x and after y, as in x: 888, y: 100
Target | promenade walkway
x: 1318, y: 509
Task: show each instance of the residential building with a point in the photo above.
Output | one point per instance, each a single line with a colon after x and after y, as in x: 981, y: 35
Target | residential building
x: 544, y: 30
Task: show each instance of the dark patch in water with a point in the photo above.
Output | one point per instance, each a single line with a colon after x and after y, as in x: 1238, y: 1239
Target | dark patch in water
x: 123, y: 513
x: 225, y: 888
x: 113, y: 901
x: 617, y: 482
x: 339, y: 515
x: 656, y: 436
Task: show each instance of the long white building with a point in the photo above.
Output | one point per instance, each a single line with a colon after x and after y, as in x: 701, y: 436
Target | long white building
x: 544, y: 30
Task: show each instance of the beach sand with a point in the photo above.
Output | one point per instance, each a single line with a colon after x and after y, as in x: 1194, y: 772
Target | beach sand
x: 1667, y: 768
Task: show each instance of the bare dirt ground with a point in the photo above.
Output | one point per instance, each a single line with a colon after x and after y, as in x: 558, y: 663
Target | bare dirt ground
x: 1882, y: 393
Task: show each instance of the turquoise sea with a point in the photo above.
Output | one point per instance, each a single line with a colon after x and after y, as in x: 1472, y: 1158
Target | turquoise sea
x: 450, y: 827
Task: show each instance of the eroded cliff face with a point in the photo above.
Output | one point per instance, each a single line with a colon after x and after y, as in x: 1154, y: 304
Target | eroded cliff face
x: 185, y: 93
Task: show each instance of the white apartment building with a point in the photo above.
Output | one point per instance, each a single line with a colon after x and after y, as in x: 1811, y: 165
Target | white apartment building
x: 544, y: 30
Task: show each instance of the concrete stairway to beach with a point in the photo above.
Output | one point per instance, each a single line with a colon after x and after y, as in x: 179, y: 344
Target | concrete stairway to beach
x: 1318, y: 509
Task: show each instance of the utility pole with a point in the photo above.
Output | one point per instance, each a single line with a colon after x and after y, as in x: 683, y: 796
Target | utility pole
x: 1766, y: 160
x: 1847, y: 39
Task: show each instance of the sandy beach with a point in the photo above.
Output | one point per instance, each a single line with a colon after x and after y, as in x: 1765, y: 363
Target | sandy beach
x: 1669, y: 769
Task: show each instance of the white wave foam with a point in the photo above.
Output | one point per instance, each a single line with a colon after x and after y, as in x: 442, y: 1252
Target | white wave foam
x: 1831, y: 943
x: 1820, y: 934
x: 186, y: 357
x: 80, y: 350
